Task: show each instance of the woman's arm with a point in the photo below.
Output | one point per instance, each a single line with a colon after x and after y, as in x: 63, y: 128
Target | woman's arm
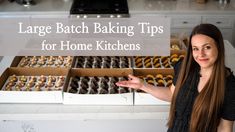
x: 225, y: 126
x: 163, y: 93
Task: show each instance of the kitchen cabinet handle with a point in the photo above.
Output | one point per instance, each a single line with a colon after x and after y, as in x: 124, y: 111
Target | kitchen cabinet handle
x: 218, y: 22
x: 185, y: 22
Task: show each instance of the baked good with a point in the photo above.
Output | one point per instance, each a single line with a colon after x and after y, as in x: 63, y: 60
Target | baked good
x: 169, y: 83
x: 51, y: 78
x: 151, y: 82
x: 103, y: 91
x: 150, y: 77
x: 147, y: 59
x: 83, y: 91
x: 33, y: 78
x: 163, y: 58
x: 167, y: 65
x: 157, y: 65
x: 138, y: 60
x: 73, y: 90
x: 13, y: 78
x: 114, y: 79
x: 84, y: 85
x: 148, y: 65
x: 159, y: 76
x: 42, y: 78
x: 85, y: 79
x: 10, y: 84
x: 104, y: 85
x: 93, y: 91
x: 23, y: 78
x: 160, y: 83
x: 168, y: 77
x: 174, y: 56
x: 113, y: 90
x: 139, y: 65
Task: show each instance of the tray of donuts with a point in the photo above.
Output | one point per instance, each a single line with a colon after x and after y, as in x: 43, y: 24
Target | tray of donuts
x: 97, y: 87
x: 157, y: 61
x: 43, y: 61
x: 102, y: 62
x: 156, y: 77
x: 32, y: 85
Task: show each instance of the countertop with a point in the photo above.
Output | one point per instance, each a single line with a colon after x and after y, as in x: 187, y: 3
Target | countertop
x: 78, y: 112
x: 135, y: 6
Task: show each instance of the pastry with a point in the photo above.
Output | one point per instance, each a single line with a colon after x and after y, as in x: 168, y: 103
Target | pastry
x: 85, y: 79
x: 50, y: 62
x: 160, y: 83
x: 174, y: 56
x: 181, y: 57
x: 17, y: 88
x: 98, y: 58
x: 147, y: 60
x: 23, y: 78
x: 115, y: 64
x: 168, y: 77
x: 169, y: 83
x: 74, y: 84
x: 42, y: 78
x: 106, y: 65
x: 157, y: 65
x: 30, y: 84
x: 150, y: 77
x: 60, y: 58
x: 114, y: 79
x: 113, y: 91
x: 107, y: 59
x: 156, y: 60
x: 82, y: 91
x: 93, y: 91
x: 104, y: 85
x: 174, y: 60
x: 49, y: 84
x: 51, y: 78
x: 139, y: 65
x: 13, y: 78
x: 151, y: 82
x: 33, y: 79
x: 124, y: 65
x: 103, y: 91
x: 122, y: 90
x: 73, y: 90
x: 37, y: 87
x: 159, y: 76
x: 138, y: 60
x: 148, y: 65
x: 167, y: 65
x: 84, y: 85
x: 163, y: 58
x: 59, y: 83
x: 88, y: 64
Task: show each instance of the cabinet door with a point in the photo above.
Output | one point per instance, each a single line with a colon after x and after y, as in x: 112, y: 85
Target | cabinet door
x: 224, y: 23
x: 185, y: 21
x: 219, y: 21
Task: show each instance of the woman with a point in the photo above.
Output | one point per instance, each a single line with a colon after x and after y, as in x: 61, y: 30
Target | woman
x: 203, y: 92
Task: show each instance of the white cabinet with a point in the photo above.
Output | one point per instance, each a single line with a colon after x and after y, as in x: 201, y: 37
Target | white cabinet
x: 182, y: 25
x: 224, y: 22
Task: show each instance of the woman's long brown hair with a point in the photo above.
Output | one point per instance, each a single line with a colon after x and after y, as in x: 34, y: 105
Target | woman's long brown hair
x: 206, y: 108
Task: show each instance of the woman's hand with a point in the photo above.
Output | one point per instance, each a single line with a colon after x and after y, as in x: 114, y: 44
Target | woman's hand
x: 133, y: 82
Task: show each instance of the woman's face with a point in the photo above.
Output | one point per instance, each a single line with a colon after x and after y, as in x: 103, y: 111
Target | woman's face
x: 204, y: 50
